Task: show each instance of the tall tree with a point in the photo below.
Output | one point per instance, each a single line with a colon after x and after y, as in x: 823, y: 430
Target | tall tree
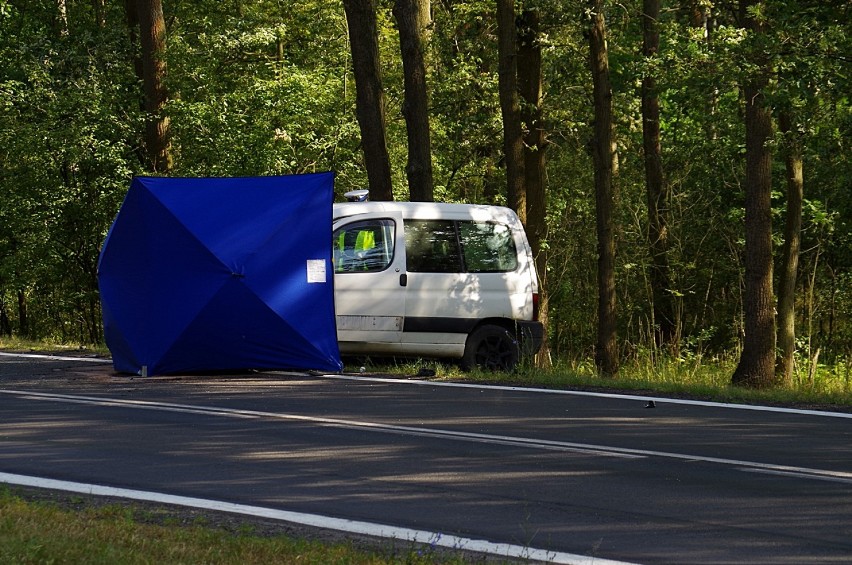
x: 369, y: 95
x: 656, y: 187
x: 152, y: 35
x: 530, y: 84
x: 603, y: 155
x: 790, y: 251
x: 100, y: 12
x: 131, y: 17
x: 410, y: 16
x: 513, y: 144
x: 62, y: 18
x: 756, y: 367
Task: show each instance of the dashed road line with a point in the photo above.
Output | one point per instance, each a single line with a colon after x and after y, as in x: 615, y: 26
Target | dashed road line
x: 531, y: 443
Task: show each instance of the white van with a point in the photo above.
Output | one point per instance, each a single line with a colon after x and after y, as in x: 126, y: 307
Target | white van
x: 423, y: 279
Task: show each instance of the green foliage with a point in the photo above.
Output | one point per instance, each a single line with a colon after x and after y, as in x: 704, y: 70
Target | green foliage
x: 67, y: 140
x: 265, y: 87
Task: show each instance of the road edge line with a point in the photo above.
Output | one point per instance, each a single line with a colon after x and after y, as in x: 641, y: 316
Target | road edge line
x: 315, y: 520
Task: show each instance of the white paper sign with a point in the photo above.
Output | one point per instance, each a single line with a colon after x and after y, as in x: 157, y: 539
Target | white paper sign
x: 316, y: 270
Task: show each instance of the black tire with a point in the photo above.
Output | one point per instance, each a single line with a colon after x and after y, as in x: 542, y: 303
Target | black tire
x: 491, y: 348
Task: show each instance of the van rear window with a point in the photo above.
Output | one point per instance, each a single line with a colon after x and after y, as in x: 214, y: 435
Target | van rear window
x: 445, y: 246
x: 487, y: 247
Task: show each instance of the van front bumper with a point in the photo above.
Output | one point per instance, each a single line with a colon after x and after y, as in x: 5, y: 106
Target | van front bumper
x: 530, y: 336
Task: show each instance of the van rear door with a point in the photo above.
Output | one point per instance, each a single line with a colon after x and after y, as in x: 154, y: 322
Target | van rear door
x: 369, y: 280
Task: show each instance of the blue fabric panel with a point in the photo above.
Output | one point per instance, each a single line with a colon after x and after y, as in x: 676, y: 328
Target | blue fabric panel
x: 154, y: 277
x: 211, y: 273
x: 253, y: 336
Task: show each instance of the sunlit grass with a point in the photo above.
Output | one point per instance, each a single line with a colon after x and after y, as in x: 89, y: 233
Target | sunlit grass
x: 39, y: 532
x: 17, y: 344
x: 694, y: 377
x: 687, y: 375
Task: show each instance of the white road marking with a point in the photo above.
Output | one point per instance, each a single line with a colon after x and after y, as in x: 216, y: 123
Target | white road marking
x: 55, y: 357
x: 331, y: 422
x: 619, y: 396
x: 316, y: 520
x: 601, y: 450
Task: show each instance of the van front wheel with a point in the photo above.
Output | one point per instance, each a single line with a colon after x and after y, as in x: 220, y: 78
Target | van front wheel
x: 491, y: 348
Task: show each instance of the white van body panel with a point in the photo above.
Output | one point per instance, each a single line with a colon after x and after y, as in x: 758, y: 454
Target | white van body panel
x: 397, y: 311
x: 369, y: 306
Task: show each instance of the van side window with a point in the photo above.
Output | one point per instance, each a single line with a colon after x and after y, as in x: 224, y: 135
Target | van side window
x: 366, y: 246
x: 432, y: 246
x: 488, y: 247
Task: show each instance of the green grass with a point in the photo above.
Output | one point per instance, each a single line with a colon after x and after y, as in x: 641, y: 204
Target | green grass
x: 31, y: 346
x: 37, y: 532
x: 695, y: 377
x: 691, y: 375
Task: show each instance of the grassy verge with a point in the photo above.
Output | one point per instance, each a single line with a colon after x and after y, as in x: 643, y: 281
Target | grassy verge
x: 39, y: 532
x: 697, y: 378
x: 22, y: 345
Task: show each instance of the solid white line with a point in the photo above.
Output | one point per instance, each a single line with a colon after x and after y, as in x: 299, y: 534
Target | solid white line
x: 660, y: 399
x: 318, y: 521
x: 602, y: 450
x: 56, y: 357
x: 657, y: 399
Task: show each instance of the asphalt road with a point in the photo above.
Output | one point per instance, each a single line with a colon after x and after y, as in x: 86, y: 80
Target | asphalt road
x: 589, y: 475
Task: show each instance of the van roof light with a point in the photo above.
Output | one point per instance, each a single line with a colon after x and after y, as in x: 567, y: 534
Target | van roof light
x: 361, y: 195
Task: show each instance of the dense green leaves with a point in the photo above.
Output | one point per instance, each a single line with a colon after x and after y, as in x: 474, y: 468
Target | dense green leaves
x: 265, y: 87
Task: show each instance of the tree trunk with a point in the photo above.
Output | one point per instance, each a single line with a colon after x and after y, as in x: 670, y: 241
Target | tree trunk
x: 131, y: 14
x: 415, y: 108
x: 656, y: 187
x: 701, y: 17
x: 100, y: 13
x: 62, y: 18
x: 152, y: 34
x: 5, y: 322
x: 756, y: 367
x: 606, y: 354
x: 535, y: 144
x: 369, y: 96
x: 790, y: 251
x: 23, y: 318
x: 513, y: 146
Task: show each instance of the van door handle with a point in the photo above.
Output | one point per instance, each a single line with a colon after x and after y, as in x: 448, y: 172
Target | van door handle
x: 403, y: 279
